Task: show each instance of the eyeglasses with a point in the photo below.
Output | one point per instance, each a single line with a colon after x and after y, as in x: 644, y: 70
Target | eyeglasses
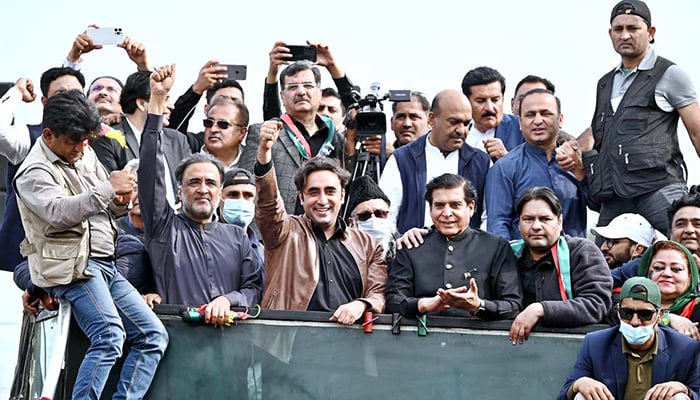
x: 628, y: 313
x: 292, y: 87
x: 222, y: 123
x: 364, y: 216
x: 610, y: 243
x: 109, y: 89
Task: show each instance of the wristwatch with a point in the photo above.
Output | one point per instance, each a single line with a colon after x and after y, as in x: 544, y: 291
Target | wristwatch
x: 482, y: 307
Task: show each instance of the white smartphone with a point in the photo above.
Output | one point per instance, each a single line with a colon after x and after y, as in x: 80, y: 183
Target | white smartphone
x: 106, y: 36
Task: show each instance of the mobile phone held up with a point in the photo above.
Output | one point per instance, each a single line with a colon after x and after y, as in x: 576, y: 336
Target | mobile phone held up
x: 106, y: 36
x: 302, y: 53
x: 235, y: 72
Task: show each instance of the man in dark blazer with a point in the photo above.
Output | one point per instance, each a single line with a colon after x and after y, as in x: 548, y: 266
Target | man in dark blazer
x: 121, y: 145
x: 664, y: 361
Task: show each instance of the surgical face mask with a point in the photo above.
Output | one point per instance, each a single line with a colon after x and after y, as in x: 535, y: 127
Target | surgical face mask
x: 238, y: 212
x: 378, y: 228
x: 636, y: 335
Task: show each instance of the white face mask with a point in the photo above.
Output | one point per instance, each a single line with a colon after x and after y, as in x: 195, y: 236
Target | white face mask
x: 378, y: 228
x: 238, y: 212
x: 636, y: 335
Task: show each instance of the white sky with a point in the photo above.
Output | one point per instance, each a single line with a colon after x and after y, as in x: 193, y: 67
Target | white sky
x: 426, y: 46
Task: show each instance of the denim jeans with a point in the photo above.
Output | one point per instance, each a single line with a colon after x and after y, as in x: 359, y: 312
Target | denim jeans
x: 108, y: 309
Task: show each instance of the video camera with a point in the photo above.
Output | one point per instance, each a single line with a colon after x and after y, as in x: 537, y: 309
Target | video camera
x: 370, y: 120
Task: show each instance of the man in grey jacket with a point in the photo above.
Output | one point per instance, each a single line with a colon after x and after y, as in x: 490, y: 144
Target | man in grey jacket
x: 566, y: 281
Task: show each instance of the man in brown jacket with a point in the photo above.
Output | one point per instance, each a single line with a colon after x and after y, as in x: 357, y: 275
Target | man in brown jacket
x: 314, y: 262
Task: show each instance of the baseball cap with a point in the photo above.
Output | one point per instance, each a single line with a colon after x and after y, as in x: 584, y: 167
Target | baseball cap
x: 236, y: 176
x: 641, y: 288
x: 631, y: 226
x: 634, y: 7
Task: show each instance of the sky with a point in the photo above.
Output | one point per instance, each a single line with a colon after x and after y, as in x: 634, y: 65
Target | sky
x: 417, y: 45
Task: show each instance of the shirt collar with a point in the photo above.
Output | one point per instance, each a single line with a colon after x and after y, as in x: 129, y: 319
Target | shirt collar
x: 234, y: 164
x: 456, y: 238
x: 647, y: 62
x: 651, y: 352
x: 340, y: 227
x: 430, y: 148
x: 197, y: 225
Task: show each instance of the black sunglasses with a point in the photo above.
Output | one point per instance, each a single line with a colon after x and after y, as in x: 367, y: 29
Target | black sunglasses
x: 222, y: 124
x: 628, y: 313
x: 364, y: 216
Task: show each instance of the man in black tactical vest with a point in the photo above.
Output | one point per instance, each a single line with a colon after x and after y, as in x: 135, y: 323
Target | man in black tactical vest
x: 631, y: 154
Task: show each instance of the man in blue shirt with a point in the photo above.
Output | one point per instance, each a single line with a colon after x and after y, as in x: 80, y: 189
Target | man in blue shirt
x: 534, y: 163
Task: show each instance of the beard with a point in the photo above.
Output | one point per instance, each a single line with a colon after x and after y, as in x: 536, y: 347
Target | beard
x: 197, y: 211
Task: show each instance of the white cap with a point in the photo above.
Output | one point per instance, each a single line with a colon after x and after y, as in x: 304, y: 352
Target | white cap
x: 630, y: 226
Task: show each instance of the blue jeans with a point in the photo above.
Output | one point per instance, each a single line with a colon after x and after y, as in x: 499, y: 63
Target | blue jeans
x: 108, y: 309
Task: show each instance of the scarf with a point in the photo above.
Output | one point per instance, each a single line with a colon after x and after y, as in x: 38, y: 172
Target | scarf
x: 562, y: 263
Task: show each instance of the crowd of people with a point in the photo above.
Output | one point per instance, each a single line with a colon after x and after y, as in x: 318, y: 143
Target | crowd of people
x: 115, y: 204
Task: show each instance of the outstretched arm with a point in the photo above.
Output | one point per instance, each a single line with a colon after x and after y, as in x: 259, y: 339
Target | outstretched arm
x: 151, y: 173
x: 14, y: 139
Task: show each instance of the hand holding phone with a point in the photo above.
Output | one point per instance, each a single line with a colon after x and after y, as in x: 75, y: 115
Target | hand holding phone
x: 235, y: 72
x: 106, y: 36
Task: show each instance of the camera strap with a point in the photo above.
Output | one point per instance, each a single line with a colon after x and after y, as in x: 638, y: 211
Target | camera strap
x: 301, y: 143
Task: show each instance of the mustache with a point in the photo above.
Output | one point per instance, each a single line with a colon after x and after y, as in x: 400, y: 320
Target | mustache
x: 489, y: 114
x: 457, y: 135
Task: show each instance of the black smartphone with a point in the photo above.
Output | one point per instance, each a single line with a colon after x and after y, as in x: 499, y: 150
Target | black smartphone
x: 4, y: 87
x: 302, y: 53
x: 236, y: 72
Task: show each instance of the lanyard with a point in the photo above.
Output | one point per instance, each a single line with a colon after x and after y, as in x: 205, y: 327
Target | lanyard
x: 301, y: 143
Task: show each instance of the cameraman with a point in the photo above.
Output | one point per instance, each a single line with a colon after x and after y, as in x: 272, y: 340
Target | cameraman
x: 409, y: 121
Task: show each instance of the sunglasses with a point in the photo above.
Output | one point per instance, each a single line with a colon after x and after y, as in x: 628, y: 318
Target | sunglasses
x: 222, y: 124
x: 364, y: 216
x: 644, y: 315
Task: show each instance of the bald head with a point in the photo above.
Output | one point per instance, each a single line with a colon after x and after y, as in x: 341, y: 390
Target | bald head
x: 449, y: 98
x: 450, y: 118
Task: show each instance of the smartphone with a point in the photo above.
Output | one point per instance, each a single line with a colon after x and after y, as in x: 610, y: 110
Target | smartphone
x: 302, y: 53
x: 235, y: 72
x: 106, y: 36
x: 4, y: 87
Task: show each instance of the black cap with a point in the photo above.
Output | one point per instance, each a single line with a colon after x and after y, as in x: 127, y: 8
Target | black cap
x: 363, y: 189
x: 233, y: 177
x: 634, y: 7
